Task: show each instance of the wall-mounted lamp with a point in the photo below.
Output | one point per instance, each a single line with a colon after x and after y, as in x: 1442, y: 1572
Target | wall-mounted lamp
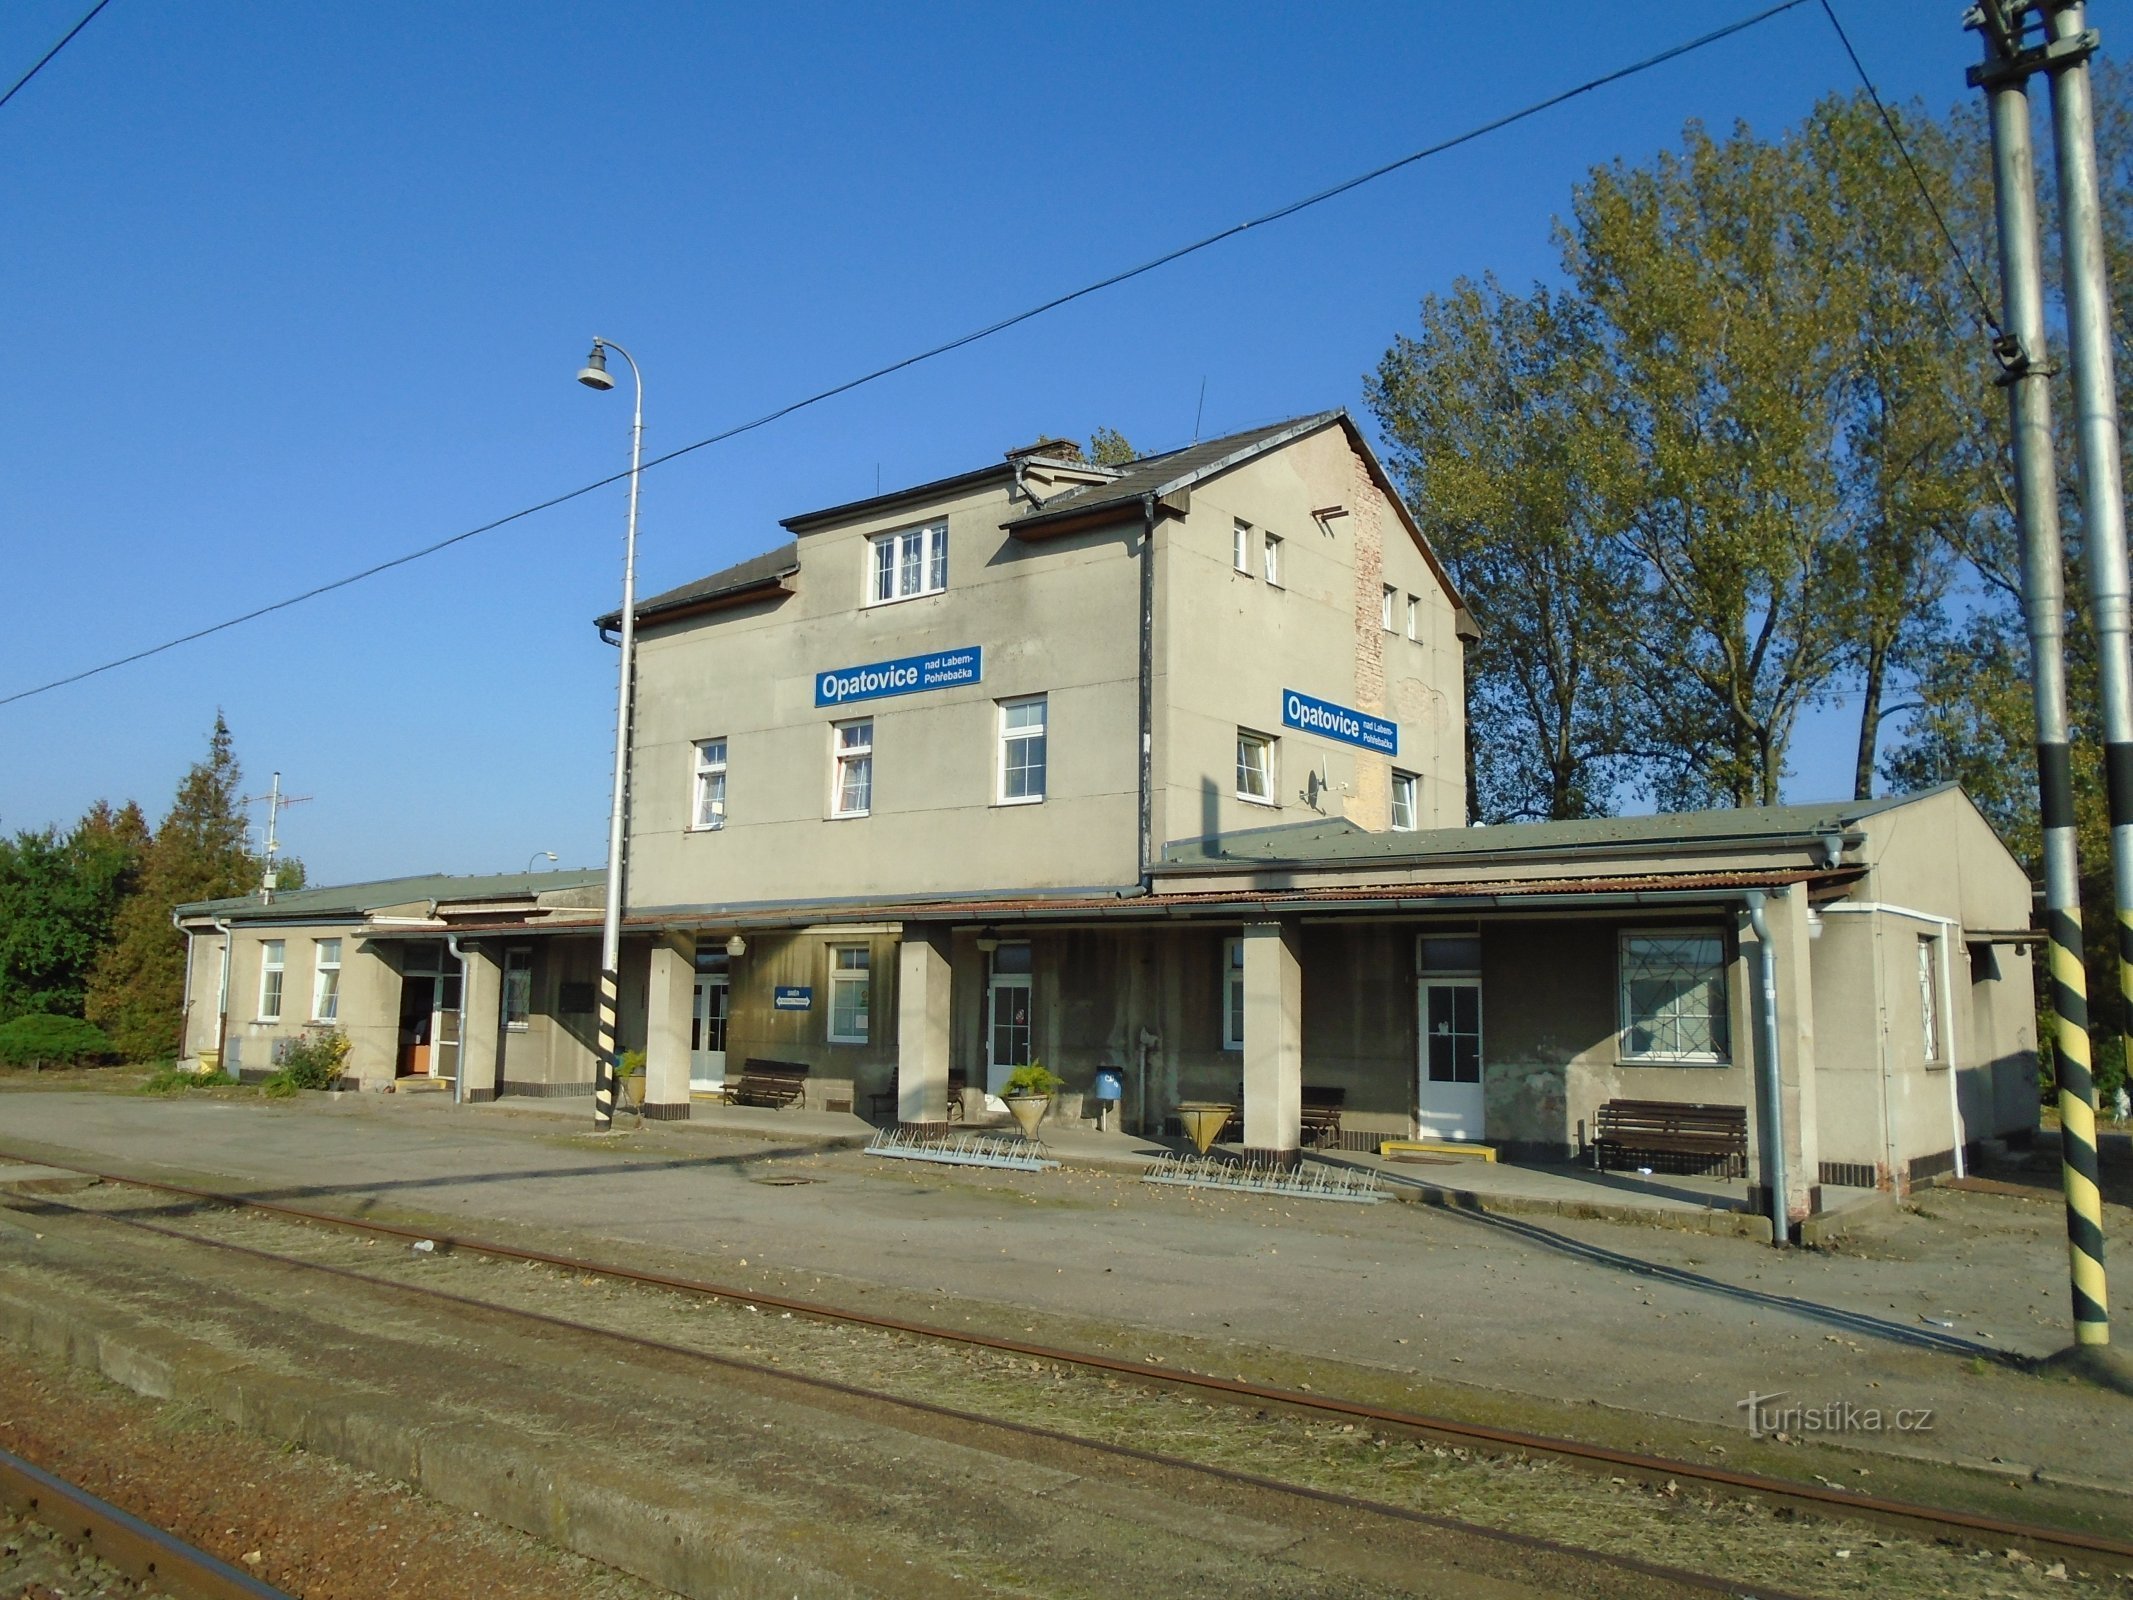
x: 988, y: 940
x: 736, y: 946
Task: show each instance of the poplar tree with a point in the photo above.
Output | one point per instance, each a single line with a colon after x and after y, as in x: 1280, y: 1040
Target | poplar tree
x: 199, y: 853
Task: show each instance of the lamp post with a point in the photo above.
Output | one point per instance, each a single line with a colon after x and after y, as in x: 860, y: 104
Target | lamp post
x: 539, y: 855
x: 594, y: 375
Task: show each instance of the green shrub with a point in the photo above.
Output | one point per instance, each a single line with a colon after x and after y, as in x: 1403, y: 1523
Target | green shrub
x: 631, y: 1064
x: 48, y: 1041
x: 314, y: 1061
x: 1036, y: 1078
x: 170, y: 1078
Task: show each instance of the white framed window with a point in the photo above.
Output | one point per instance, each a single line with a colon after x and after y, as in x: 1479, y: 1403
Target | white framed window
x: 1405, y: 792
x: 1273, y: 559
x: 1023, y: 748
x: 326, y: 981
x: 272, y: 954
x: 518, y: 988
x: 1414, y: 618
x: 907, y: 563
x: 1233, y: 994
x: 1388, y: 597
x: 852, y: 768
x: 1010, y: 1004
x: 710, y: 808
x: 1929, y: 997
x: 850, y: 984
x: 1255, y: 767
x: 1674, y: 997
x: 1240, y: 546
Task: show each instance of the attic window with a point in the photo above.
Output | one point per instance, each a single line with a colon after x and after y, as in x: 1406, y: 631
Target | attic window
x: 908, y: 563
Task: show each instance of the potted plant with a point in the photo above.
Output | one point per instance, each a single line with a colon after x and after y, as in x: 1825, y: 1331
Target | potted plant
x: 629, y: 1080
x: 1028, y: 1093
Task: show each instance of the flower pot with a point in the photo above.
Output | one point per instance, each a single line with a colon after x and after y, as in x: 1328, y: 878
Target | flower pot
x: 1028, y: 1110
x: 630, y: 1091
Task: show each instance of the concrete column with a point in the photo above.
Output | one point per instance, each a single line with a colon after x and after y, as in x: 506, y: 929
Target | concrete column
x: 483, y: 1027
x: 670, y: 1007
x: 922, y: 1016
x: 1787, y: 915
x: 1273, y: 1041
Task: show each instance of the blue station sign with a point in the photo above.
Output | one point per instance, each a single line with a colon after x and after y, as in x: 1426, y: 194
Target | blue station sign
x: 792, y: 997
x: 906, y: 675
x: 1329, y: 721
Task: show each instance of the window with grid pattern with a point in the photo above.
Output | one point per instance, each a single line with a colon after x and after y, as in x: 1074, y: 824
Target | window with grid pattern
x: 910, y: 562
x: 852, y: 783
x: 1022, y: 750
x: 1674, y: 997
x: 710, y: 808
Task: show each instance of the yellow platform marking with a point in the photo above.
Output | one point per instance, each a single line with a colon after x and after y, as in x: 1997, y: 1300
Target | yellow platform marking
x: 1436, y: 1147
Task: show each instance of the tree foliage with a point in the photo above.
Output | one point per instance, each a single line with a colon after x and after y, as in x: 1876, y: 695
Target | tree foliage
x: 1110, y: 448
x: 199, y: 853
x: 59, y: 896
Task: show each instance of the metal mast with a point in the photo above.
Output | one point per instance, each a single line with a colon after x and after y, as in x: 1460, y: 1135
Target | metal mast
x: 2021, y: 351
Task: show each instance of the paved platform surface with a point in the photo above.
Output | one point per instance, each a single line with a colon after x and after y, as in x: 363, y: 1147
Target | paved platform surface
x: 1712, y: 1204
x: 1915, y: 1312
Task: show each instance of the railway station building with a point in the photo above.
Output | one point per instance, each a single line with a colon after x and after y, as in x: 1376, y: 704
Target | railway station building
x: 1160, y: 768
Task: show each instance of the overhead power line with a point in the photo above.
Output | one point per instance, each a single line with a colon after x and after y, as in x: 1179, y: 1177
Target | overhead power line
x: 43, y: 60
x: 1672, y: 53
x: 1962, y: 262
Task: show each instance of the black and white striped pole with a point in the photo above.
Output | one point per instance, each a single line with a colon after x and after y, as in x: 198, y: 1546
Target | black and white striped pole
x: 595, y: 376
x: 2026, y: 373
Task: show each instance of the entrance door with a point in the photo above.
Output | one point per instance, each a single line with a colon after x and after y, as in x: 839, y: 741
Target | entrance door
x: 707, y: 1033
x: 444, y: 1028
x: 1448, y: 1102
x: 1007, y: 1015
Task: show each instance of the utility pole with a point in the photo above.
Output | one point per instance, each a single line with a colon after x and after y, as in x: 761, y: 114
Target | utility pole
x: 276, y: 802
x: 2026, y: 372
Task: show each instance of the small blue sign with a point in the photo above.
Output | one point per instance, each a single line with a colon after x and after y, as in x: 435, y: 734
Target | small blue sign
x: 1330, y: 721
x: 906, y: 675
x: 792, y: 997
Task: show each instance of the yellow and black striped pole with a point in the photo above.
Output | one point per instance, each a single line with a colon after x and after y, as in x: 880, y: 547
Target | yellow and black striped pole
x: 2020, y: 350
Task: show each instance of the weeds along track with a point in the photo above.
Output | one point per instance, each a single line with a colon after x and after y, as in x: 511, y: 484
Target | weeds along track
x: 1737, y: 1502
x: 138, y: 1550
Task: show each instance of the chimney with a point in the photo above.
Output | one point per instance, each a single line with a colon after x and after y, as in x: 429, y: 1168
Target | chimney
x: 1052, y: 449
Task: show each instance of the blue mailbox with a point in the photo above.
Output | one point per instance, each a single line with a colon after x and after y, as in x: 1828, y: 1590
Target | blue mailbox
x: 1110, y: 1083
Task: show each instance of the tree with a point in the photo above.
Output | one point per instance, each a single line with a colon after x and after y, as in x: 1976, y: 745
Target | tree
x: 1110, y: 448
x: 59, y: 895
x: 199, y: 853
x: 1496, y: 421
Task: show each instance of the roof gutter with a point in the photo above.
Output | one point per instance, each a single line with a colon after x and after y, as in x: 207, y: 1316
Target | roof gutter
x: 1831, y: 844
x: 1147, y: 693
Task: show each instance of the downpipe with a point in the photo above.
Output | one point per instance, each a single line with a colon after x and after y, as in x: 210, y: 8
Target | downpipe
x: 1771, y: 1078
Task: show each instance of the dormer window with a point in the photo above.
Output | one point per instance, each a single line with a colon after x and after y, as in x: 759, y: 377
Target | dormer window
x: 908, y: 563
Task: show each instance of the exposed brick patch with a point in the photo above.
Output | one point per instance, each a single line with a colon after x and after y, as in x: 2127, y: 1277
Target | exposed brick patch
x: 1371, y: 804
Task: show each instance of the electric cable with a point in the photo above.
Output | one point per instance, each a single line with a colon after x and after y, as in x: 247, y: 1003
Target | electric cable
x: 47, y: 56
x: 1962, y: 262
x: 1671, y: 53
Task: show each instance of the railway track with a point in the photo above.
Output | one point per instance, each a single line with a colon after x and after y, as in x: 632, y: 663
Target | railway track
x: 1916, y: 1520
x: 121, y: 1540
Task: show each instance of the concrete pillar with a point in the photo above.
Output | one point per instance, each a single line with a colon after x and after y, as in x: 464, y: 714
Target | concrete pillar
x: 922, y: 1016
x: 670, y: 1008
x: 1789, y: 936
x: 1273, y: 1041
x: 483, y: 1027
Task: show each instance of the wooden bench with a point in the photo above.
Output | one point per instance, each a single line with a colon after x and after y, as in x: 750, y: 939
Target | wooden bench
x: 884, y: 1101
x: 767, y: 1083
x: 1667, y: 1128
x: 1322, y: 1105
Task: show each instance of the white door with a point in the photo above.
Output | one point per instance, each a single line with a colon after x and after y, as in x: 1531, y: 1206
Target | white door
x: 444, y: 1028
x: 707, y: 1033
x: 1448, y: 1101
x: 1008, y: 1034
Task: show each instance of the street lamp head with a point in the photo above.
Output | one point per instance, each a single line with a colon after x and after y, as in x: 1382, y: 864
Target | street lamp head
x: 594, y: 375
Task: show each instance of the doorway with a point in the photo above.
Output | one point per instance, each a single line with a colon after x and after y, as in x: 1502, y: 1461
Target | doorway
x: 1448, y: 1100
x: 429, y: 1015
x: 707, y: 1024
x: 1008, y: 1032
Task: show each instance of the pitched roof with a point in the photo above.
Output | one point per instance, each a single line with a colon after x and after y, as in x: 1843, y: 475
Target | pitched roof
x: 766, y: 572
x: 358, y: 899
x: 1339, y: 841
x: 1176, y: 469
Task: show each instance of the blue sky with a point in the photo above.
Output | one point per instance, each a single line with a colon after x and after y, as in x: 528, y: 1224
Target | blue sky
x: 295, y: 289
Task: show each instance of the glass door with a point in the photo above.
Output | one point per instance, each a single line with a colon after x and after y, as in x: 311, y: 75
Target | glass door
x: 1008, y: 1032
x: 444, y: 1028
x: 707, y: 1033
x: 1449, y: 1097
